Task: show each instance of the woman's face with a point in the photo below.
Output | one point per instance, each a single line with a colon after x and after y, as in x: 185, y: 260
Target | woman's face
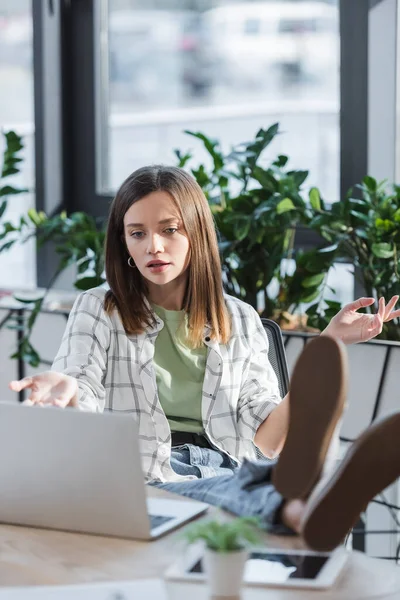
x: 156, y: 239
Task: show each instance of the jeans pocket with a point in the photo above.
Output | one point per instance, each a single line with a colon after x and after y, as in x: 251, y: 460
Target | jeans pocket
x: 181, y: 447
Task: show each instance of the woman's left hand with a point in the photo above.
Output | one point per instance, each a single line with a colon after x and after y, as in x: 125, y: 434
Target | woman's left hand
x: 353, y: 327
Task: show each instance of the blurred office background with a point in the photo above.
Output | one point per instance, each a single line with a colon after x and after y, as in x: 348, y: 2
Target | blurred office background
x: 98, y: 88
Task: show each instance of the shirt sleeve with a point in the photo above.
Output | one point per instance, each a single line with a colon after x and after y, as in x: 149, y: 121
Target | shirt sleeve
x: 84, y: 348
x: 259, y: 394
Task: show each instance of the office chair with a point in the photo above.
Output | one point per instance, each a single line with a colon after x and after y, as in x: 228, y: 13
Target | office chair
x: 277, y: 358
x: 276, y: 354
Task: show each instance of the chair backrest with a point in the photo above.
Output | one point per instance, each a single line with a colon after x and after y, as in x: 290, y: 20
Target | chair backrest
x: 276, y: 354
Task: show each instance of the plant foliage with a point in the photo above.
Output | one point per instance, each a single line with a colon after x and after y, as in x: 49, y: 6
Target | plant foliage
x: 225, y: 536
x: 365, y: 229
x: 78, y: 240
x: 257, y: 209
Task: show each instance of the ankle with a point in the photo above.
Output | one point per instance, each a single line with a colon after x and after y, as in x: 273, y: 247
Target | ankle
x: 292, y: 514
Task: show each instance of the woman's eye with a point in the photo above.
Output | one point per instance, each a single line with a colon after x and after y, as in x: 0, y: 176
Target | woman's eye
x: 171, y: 229
x: 136, y: 234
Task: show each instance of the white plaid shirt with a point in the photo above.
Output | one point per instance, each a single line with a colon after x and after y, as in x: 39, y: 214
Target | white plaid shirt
x: 115, y: 372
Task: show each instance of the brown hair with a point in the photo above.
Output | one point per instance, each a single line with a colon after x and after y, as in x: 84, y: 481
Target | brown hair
x: 204, y: 301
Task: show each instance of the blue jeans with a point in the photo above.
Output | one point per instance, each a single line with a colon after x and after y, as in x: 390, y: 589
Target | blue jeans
x: 245, y: 491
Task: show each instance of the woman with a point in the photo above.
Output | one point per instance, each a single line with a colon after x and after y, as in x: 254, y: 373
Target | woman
x: 165, y: 344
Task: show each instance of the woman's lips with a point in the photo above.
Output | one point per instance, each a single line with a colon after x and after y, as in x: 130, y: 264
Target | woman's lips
x: 159, y: 268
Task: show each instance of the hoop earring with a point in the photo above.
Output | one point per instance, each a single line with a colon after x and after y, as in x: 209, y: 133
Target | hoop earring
x: 129, y: 263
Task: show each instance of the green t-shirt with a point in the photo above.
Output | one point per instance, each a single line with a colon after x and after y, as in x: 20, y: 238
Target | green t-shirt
x: 179, y: 372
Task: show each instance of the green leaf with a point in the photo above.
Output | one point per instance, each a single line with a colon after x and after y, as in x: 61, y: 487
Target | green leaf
x: 28, y: 354
x: 299, y: 177
x: 370, y: 183
x: 34, y: 217
x: 312, y: 310
x: 241, y: 227
x: 385, y: 224
x: 9, y: 190
x: 358, y: 202
x: 3, y: 207
x: 27, y: 300
x: 7, y: 245
x: 333, y: 304
x: 201, y: 176
x: 311, y: 296
x: 328, y: 249
x: 224, y: 536
x: 382, y: 250
x: 212, y: 147
x: 182, y: 158
x: 313, y: 280
x: 361, y: 216
x: 86, y: 283
x: 284, y: 206
x: 265, y: 178
x: 361, y: 233
x: 281, y: 161
x: 84, y: 265
x: 315, y: 198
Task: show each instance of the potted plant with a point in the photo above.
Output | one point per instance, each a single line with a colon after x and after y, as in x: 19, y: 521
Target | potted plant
x: 257, y: 209
x: 365, y: 231
x: 225, y: 552
x: 78, y: 240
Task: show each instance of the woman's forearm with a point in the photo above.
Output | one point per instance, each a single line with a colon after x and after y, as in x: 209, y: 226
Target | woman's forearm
x: 271, y: 434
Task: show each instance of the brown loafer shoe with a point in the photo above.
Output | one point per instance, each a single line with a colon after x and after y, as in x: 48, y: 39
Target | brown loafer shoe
x: 370, y: 465
x: 317, y: 397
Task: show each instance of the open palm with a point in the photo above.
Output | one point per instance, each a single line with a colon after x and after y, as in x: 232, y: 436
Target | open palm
x: 353, y: 327
x: 49, y: 388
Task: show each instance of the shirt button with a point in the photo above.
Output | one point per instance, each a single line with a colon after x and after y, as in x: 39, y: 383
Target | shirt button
x: 207, y: 339
x: 163, y: 451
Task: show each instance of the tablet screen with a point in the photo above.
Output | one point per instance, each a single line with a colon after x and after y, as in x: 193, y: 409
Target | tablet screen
x: 268, y: 567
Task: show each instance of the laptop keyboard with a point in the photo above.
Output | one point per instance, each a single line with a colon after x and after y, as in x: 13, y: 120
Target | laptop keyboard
x: 157, y: 520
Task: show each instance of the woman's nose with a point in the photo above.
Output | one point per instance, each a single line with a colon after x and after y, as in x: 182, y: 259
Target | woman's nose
x: 155, y: 244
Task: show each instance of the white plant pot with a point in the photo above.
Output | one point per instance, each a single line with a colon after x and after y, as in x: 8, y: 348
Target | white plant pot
x: 224, y: 571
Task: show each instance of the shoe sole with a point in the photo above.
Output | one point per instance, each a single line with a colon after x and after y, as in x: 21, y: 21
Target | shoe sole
x: 370, y: 466
x: 316, y: 400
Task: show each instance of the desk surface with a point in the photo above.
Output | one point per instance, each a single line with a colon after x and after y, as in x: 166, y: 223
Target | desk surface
x: 31, y: 556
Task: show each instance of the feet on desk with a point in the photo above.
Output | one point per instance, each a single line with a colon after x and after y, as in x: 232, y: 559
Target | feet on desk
x: 323, y: 510
x: 318, y: 390
x: 370, y: 466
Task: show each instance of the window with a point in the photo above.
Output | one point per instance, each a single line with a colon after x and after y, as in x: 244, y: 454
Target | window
x: 225, y: 68
x: 17, y: 266
x: 252, y: 27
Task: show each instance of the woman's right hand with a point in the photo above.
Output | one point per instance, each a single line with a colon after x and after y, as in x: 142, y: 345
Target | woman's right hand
x: 49, y: 388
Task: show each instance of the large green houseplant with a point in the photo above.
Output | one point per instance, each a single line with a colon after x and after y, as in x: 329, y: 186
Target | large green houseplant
x: 78, y: 240
x: 365, y: 230
x: 257, y: 208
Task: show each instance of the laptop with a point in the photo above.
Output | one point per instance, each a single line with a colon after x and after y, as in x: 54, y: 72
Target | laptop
x: 80, y: 471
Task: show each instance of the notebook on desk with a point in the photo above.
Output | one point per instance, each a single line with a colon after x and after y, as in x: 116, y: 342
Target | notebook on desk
x: 80, y: 471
